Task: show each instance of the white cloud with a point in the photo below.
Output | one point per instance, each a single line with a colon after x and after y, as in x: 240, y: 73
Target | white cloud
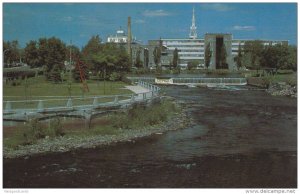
x: 244, y: 28
x: 156, y: 13
x: 139, y: 21
x: 218, y: 7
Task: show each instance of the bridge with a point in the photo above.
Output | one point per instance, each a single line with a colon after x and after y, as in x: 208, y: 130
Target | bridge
x: 77, y: 107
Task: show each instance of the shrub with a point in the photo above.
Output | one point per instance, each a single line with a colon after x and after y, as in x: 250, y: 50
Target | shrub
x: 55, y: 128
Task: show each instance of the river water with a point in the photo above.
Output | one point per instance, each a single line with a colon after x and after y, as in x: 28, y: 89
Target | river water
x: 242, y: 138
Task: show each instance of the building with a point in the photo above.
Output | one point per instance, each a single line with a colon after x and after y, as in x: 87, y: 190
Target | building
x: 137, y: 48
x: 120, y: 37
x: 192, y: 49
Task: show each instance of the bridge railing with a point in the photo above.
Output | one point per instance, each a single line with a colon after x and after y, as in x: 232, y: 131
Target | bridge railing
x: 71, y: 103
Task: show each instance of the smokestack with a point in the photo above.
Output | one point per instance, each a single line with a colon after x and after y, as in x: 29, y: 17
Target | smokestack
x: 129, y: 39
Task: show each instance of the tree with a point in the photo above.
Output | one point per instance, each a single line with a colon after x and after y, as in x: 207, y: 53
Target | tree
x: 12, y: 52
x: 279, y: 57
x: 192, y: 65
x: 32, y: 54
x: 223, y: 55
x: 157, y: 53
x: 292, y: 59
x: 157, y: 56
x: 175, y: 58
x: 208, y: 55
x: 55, y: 74
x: 56, y: 54
x: 146, y: 57
x: 104, y: 59
x: 92, y: 48
x: 238, y: 58
x: 138, y: 61
x: 254, y: 50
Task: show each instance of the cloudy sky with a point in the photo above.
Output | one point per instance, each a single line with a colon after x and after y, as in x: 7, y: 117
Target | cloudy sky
x: 79, y: 21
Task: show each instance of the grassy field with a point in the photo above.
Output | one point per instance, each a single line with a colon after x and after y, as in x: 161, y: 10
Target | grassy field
x: 38, y: 86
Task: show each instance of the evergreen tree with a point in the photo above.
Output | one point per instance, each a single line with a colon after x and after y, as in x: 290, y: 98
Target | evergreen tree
x: 175, y: 58
x: 207, y: 55
x: 138, y: 61
x: 238, y: 58
x: 223, y: 55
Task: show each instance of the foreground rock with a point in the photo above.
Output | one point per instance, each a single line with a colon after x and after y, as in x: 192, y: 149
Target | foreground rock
x: 64, y: 144
x: 282, y: 89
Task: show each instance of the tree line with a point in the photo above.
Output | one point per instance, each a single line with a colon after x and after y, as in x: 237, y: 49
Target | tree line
x: 96, y: 58
x: 256, y: 55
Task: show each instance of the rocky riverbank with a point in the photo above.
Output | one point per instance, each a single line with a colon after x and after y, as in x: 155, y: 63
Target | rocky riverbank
x: 64, y: 143
x: 282, y: 89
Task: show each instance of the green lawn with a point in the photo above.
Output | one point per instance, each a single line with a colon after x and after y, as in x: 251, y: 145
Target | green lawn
x: 38, y: 88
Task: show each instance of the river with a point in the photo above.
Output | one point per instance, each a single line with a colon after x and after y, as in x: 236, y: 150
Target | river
x: 242, y: 138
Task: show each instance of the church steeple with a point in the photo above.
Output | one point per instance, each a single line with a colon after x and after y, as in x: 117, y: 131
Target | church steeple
x: 193, y: 32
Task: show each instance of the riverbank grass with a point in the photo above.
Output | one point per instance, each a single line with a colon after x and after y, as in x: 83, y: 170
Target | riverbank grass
x: 139, y: 117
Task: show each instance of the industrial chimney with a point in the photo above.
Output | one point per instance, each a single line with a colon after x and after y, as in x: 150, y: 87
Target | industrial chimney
x: 129, y: 39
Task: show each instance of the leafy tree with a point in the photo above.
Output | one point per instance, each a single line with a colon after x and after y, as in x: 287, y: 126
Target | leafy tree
x: 104, y: 59
x: 92, y: 48
x: 55, y: 74
x: 12, y: 51
x: 279, y: 57
x: 157, y: 53
x: 175, y: 58
x: 146, y: 57
x: 208, y: 55
x: 223, y: 55
x: 51, y: 52
x: 238, y: 58
x: 292, y: 59
x: 56, y: 54
x: 192, y: 65
x: 32, y: 54
x: 157, y: 56
x: 254, y: 50
x: 138, y: 61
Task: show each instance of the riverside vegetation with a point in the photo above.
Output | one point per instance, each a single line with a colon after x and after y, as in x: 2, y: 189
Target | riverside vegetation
x: 138, y: 121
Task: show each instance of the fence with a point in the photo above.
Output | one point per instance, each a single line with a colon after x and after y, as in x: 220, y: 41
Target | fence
x: 78, y: 103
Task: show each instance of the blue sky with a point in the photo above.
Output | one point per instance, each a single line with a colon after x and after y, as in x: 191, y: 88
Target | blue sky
x: 79, y: 21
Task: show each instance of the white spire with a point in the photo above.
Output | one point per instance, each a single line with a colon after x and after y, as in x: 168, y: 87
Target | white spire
x: 193, y: 33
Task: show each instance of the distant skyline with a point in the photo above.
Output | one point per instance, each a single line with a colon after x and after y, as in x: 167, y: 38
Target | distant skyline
x: 79, y: 21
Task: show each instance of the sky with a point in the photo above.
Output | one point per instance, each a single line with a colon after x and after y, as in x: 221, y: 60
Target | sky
x: 80, y: 21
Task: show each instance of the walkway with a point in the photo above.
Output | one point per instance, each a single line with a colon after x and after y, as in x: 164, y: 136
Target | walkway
x: 137, y: 89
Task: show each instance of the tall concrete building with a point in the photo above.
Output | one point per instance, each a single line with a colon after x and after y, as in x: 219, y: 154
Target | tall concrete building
x: 192, y: 49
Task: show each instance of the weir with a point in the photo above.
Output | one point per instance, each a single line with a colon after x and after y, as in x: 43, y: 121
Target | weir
x: 190, y: 80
